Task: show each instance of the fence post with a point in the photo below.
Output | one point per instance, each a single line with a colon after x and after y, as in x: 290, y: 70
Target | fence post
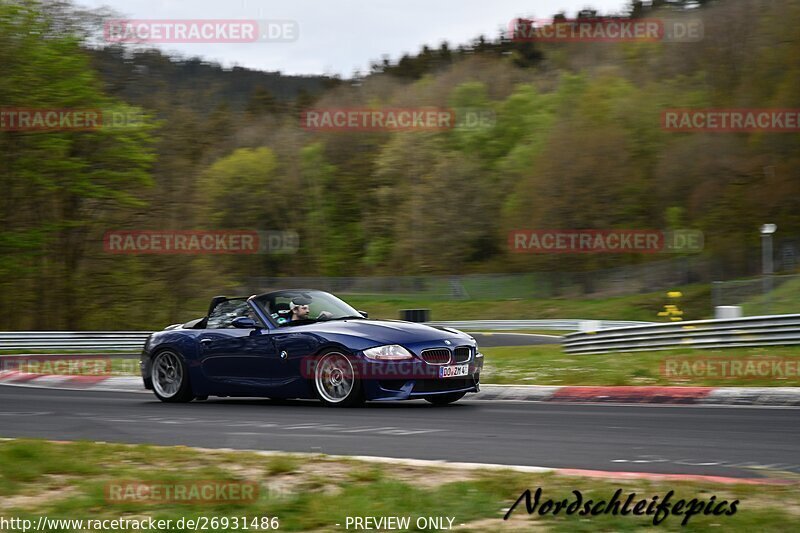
x: 717, y: 287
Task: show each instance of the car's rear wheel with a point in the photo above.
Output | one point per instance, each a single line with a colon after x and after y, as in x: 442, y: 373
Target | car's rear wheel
x: 444, y: 399
x: 336, y: 382
x: 170, y: 378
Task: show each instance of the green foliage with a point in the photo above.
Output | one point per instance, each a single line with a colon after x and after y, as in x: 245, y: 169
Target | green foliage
x: 59, y: 187
x: 575, y: 141
x: 240, y: 185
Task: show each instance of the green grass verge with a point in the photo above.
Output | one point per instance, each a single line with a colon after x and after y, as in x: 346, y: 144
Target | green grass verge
x: 784, y: 299
x: 313, y: 493
x: 549, y: 365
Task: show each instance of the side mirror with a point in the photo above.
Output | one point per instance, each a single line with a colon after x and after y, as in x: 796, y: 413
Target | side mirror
x: 364, y: 314
x: 244, y: 322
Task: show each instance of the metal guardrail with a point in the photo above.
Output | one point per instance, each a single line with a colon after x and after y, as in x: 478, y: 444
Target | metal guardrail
x: 111, y: 341
x: 772, y: 330
x: 599, y: 336
x: 133, y: 341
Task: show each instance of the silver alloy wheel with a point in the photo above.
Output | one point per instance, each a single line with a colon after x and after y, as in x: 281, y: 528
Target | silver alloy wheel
x: 167, y: 374
x: 334, y: 377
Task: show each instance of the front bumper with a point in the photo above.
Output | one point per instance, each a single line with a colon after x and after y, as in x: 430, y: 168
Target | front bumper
x: 417, y: 389
x: 408, y: 380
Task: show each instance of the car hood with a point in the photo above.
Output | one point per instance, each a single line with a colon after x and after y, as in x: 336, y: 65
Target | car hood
x: 385, y: 331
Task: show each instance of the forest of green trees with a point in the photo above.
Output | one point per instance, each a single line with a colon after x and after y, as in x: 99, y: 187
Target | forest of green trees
x: 577, y: 143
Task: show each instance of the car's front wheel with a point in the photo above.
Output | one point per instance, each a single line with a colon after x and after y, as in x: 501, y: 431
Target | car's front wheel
x: 336, y: 382
x: 170, y: 378
x: 444, y: 399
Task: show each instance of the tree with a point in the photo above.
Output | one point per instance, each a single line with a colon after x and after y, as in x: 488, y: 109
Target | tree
x: 262, y: 102
x: 60, y: 188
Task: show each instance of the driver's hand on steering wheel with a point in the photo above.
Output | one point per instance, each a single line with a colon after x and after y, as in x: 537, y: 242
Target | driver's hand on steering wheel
x: 325, y: 315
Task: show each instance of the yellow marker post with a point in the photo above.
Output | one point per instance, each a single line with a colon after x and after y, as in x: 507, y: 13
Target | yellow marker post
x: 672, y: 311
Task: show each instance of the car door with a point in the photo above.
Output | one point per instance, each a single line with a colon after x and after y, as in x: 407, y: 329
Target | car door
x: 296, y: 346
x: 238, y: 361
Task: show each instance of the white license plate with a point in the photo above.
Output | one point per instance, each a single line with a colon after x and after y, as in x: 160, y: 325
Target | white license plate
x: 453, y: 371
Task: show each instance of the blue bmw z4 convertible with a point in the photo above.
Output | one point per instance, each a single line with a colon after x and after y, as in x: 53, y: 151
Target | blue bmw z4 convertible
x: 307, y: 344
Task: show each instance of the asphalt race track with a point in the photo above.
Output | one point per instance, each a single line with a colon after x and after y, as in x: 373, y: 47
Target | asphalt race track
x: 740, y: 441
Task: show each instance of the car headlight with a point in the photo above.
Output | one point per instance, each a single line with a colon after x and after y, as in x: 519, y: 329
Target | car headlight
x: 390, y: 352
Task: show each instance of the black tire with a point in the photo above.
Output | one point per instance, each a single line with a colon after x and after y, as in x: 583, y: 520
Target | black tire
x: 170, y: 386
x: 331, y: 367
x: 445, y: 399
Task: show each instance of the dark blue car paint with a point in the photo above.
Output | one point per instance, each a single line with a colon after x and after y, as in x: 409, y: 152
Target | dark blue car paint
x: 268, y: 362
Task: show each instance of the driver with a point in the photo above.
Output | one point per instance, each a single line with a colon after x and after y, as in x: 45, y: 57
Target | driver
x: 299, y: 308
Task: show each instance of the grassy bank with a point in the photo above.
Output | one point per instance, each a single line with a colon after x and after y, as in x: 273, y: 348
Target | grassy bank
x: 314, y: 493
x: 695, y: 303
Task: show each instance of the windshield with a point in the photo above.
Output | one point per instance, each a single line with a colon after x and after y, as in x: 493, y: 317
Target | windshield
x: 303, y: 307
